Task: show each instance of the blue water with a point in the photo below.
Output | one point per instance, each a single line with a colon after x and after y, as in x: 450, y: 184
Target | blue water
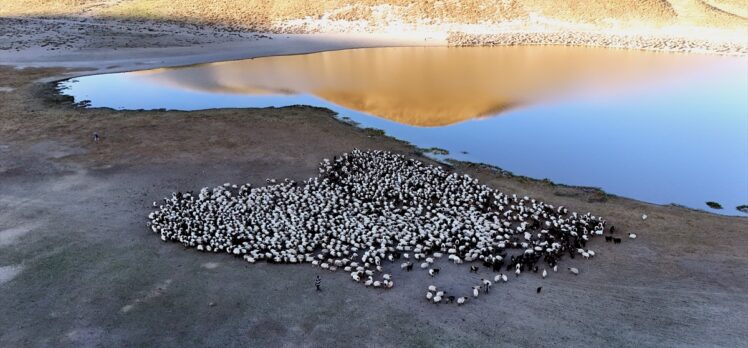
x: 679, y: 139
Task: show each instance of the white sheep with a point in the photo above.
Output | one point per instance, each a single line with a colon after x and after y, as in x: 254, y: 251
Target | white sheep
x: 487, y: 284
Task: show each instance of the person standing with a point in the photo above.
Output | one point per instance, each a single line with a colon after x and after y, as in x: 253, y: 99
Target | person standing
x: 318, y: 283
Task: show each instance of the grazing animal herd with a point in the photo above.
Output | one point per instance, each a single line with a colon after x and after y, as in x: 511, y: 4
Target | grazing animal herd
x: 368, y: 209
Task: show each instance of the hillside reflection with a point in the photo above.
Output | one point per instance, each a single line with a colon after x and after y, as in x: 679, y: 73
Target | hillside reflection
x: 429, y: 86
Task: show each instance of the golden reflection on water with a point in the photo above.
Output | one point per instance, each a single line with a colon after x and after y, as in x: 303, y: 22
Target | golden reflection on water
x: 430, y: 86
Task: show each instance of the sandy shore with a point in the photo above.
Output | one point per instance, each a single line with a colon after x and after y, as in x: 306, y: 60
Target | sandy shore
x: 78, y: 267
x: 109, y: 46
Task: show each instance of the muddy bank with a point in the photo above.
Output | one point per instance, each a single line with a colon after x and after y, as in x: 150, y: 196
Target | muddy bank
x: 81, y: 268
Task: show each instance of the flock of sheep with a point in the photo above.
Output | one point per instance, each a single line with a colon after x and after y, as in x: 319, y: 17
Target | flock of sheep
x: 368, y: 209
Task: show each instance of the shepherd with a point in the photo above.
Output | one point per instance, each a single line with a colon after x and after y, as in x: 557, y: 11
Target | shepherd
x: 318, y: 283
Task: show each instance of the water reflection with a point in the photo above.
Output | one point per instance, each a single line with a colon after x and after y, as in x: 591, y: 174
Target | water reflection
x: 662, y: 128
x: 426, y: 86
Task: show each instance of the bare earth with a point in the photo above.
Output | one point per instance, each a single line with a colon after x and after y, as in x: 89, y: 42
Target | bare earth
x: 78, y: 267
x: 109, y: 45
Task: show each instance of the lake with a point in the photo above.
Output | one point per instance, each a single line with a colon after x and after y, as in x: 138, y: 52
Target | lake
x: 662, y: 128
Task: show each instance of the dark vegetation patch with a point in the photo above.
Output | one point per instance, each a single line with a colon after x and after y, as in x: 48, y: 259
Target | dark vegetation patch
x: 597, y: 196
x: 436, y: 151
x: 374, y: 132
x: 714, y: 205
x: 350, y: 121
x: 566, y: 192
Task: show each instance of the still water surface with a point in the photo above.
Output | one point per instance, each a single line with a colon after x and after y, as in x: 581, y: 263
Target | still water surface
x: 662, y: 128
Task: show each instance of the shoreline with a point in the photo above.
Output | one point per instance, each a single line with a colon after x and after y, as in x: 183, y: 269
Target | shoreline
x: 213, y: 44
x: 80, y: 268
x: 97, y: 53
x: 72, y: 224
x: 53, y: 95
x: 273, y: 50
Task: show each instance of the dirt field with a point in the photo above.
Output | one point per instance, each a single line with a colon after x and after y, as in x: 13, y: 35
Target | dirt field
x: 78, y: 266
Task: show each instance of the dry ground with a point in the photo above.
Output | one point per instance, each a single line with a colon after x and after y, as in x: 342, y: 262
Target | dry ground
x: 122, y: 45
x: 57, y: 32
x: 265, y: 15
x: 78, y: 267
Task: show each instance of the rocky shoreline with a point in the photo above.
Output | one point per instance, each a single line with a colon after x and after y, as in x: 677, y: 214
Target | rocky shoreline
x: 650, y: 43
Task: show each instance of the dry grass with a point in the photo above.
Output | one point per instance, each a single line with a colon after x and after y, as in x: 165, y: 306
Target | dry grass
x: 707, y: 14
x: 41, y: 7
x: 263, y: 14
x: 651, y: 11
x: 736, y: 7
